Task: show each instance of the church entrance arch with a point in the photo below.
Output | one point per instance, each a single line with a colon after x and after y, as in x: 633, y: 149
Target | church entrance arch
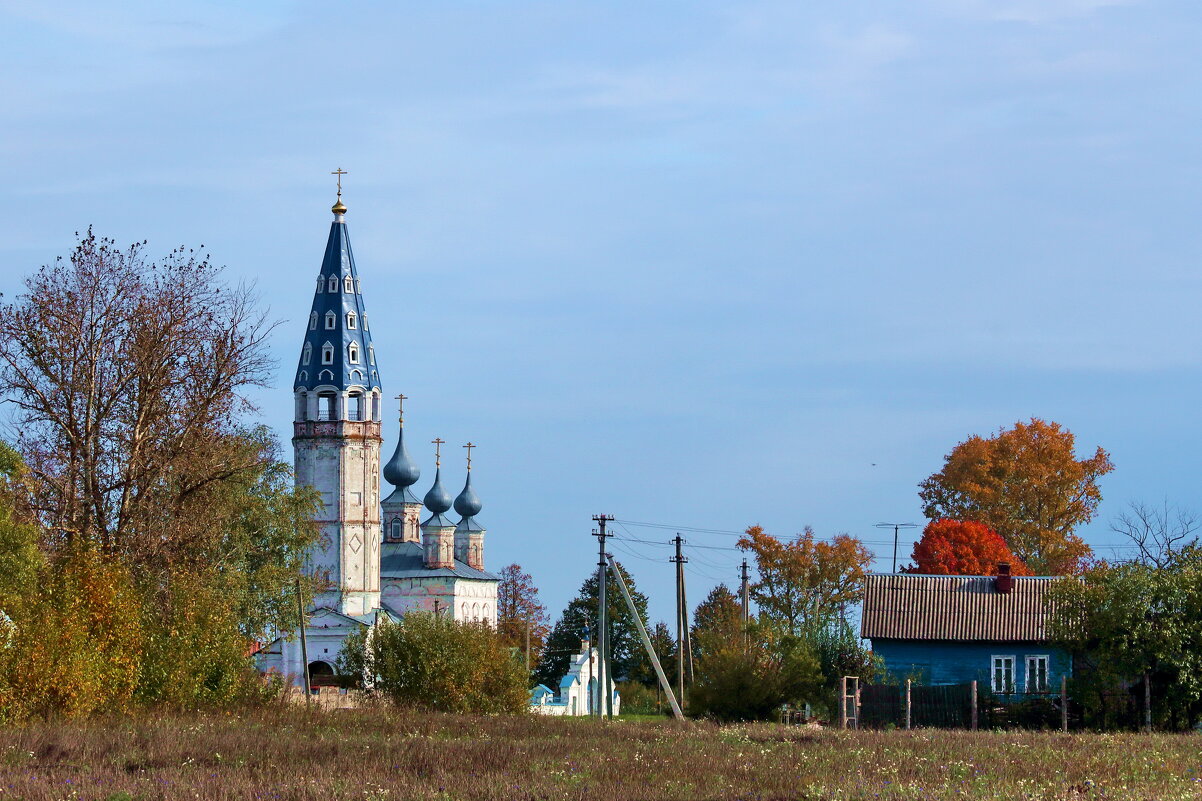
x: 321, y: 674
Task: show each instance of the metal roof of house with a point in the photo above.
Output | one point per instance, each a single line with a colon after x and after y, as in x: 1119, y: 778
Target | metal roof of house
x: 407, y: 560
x: 917, y: 607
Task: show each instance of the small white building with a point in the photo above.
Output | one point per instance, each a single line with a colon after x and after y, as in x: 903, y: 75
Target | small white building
x: 578, y: 689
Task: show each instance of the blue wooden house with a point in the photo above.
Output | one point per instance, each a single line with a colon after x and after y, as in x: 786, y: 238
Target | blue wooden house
x: 958, y: 629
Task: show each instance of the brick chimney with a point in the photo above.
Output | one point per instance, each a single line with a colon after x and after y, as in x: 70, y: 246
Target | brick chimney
x: 1004, y: 581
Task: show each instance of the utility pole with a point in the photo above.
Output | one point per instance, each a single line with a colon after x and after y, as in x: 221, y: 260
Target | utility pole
x: 681, y: 634
x: 638, y: 620
x: 300, y: 612
x: 744, y: 599
x: 602, y: 622
x: 895, y: 527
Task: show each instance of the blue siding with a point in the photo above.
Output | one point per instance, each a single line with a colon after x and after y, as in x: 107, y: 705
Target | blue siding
x: 953, y: 662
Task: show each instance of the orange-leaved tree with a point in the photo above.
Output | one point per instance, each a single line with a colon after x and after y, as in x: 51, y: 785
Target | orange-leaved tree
x: 1028, y: 485
x: 962, y: 548
x: 805, y: 581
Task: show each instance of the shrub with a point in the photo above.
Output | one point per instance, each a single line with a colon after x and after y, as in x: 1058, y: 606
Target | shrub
x: 737, y: 681
x: 432, y: 662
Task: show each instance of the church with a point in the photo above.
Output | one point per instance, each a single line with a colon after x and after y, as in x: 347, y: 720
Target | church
x: 375, y: 559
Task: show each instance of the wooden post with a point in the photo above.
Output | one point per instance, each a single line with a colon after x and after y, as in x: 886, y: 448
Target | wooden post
x: 1147, y: 703
x: 907, y: 704
x: 1063, y: 702
x: 974, y: 705
x: 843, y: 702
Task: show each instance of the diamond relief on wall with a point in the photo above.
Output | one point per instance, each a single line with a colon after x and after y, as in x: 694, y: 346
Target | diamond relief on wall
x: 356, y: 542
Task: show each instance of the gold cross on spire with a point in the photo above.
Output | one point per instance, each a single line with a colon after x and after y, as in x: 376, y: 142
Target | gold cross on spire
x: 400, y: 407
x: 340, y: 172
x: 469, y: 447
x: 437, y: 442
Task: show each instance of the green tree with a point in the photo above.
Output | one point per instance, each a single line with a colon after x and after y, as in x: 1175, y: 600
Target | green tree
x: 749, y: 682
x: 665, y: 650
x: 1027, y: 484
x: 432, y: 662
x: 625, y: 646
x: 1132, y: 622
x: 719, y: 615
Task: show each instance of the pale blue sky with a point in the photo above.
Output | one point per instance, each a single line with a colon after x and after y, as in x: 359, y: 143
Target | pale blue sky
x: 694, y: 263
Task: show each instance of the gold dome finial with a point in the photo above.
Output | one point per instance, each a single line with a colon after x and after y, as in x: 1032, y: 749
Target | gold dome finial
x: 339, y: 207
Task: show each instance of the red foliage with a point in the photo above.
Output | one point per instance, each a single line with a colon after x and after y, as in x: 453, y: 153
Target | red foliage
x: 963, y: 548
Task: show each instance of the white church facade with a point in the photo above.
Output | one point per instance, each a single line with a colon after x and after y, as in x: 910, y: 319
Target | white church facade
x: 577, y: 694
x: 376, y: 558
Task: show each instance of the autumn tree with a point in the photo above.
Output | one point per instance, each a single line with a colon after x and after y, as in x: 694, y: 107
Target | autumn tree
x: 1027, y: 484
x: 128, y: 379
x: 962, y: 548
x: 625, y: 646
x: 804, y: 582
x: 519, y: 610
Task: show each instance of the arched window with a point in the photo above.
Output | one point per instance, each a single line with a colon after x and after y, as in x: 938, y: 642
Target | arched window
x: 325, y: 376
x: 354, y: 409
x: 356, y: 375
x: 312, y: 321
x: 484, y: 614
x: 348, y: 285
x: 352, y: 353
x: 327, y: 353
x: 350, y: 320
x: 307, y: 353
x: 371, y: 352
x: 396, y: 528
x: 464, y: 608
x: 321, y: 284
x: 326, y: 406
x: 303, y: 377
x: 331, y: 320
x: 365, y: 321
x: 359, y: 285
x: 475, y: 611
x: 333, y: 284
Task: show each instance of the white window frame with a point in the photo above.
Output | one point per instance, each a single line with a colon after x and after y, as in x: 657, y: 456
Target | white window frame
x: 321, y: 284
x: 327, y: 353
x: 365, y: 328
x: 348, y: 285
x: 312, y: 321
x: 351, y: 320
x: 307, y: 353
x: 1032, y: 686
x: 398, y: 528
x: 331, y: 320
x: 332, y: 284
x: 997, y: 663
x: 352, y: 353
x: 371, y: 354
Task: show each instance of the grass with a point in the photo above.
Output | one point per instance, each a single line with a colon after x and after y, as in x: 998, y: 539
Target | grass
x: 380, y: 754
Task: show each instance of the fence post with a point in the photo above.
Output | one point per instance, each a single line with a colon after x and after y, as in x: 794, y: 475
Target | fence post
x: 1147, y: 703
x: 1063, y: 702
x: 907, y: 704
x: 843, y: 702
x: 974, y: 705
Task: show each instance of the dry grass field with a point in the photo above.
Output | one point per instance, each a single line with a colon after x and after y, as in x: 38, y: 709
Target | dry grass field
x: 382, y: 754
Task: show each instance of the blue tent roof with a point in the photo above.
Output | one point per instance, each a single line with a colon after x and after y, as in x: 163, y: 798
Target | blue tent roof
x: 335, y: 310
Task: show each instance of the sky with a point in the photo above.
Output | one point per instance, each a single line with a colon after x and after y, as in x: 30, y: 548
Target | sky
x: 695, y: 264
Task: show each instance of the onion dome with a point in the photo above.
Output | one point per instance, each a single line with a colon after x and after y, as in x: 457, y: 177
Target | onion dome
x: 401, y: 471
x: 437, y: 500
x: 468, y: 503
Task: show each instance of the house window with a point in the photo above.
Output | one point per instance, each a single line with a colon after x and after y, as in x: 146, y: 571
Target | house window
x: 352, y: 353
x: 307, y: 353
x: 350, y: 320
x: 331, y: 320
x: 1037, y: 673
x: 1003, y: 674
x: 325, y: 408
x: 348, y: 285
x: 327, y: 353
x: 312, y: 321
x: 355, y: 408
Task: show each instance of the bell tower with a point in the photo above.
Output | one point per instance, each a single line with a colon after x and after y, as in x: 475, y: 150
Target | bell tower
x: 336, y: 429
